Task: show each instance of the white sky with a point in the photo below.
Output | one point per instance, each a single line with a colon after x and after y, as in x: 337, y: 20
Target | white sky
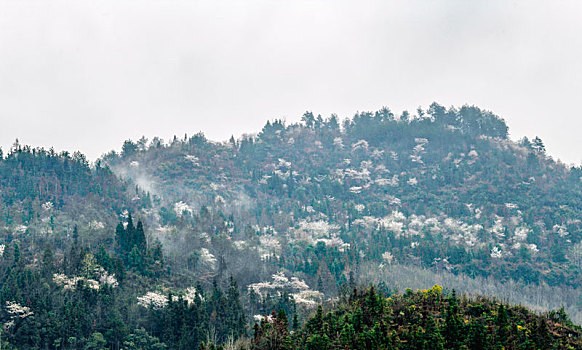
x: 87, y: 74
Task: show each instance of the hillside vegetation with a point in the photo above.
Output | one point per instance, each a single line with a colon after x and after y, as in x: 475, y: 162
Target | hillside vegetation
x: 184, y: 241
x: 420, y: 320
x: 444, y: 190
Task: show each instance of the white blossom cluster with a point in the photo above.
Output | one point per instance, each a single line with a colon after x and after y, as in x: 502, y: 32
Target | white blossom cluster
x: 392, y: 200
x: 452, y: 229
x: 470, y: 158
x: 47, y: 206
x: 190, y: 295
x: 260, y: 318
x: 70, y: 283
x: 412, y: 181
x: 418, y: 150
x: 302, y: 294
x: 560, y: 230
x: 219, y: 200
x: 319, y: 231
x: 388, y: 257
x: 207, y: 258
x: 156, y: 301
x: 181, y: 207
x: 106, y: 278
x: 153, y: 300
x: 497, y: 230
x: 520, y: 233
x: 284, y: 164
x: 263, y: 180
x: 496, y: 253
x: 316, y: 229
x: 96, y: 225
x: 461, y: 232
x: 360, y: 145
x: 269, y: 244
x: 353, y: 174
x: 474, y: 156
x: 101, y: 278
x: 193, y: 159
x: 283, y: 175
x: 2, y: 248
x: 393, y: 181
x: 20, y: 228
x: 17, y: 310
x: 308, y: 298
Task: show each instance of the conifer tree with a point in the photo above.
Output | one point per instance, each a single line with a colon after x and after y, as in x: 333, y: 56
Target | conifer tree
x: 452, y: 330
x: 502, y: 325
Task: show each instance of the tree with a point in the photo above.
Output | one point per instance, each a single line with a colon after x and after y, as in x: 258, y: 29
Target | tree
x: 121, y: 237
x: 502, y: 325
x: 141, y: 340
x: 139, y: 237
x: 308, y: 119
x: 477, y: 335
x: 135, y: 259
x: 318, y: 342
x: 235, y: 315
x: 129, y: 148
x: 453, y: 326
x: 333, y: 123
x: 47, y: 266
x: 538, y: 145
x: 96, y: 342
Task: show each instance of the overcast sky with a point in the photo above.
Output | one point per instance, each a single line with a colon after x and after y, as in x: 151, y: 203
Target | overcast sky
x: 86, y: 75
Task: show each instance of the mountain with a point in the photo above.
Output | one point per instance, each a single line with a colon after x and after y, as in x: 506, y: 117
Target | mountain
x: 181, y: 241
x: 445, y: 189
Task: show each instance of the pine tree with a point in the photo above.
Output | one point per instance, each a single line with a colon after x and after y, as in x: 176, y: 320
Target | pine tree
x: 121, y: 238
x: 140, y: 239
x: 47, y: 266
x: 477, y: 336
x: 502, y: 325
x: 295, y: 323
x: 452, y: 330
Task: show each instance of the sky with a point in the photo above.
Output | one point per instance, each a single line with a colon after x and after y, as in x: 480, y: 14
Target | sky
x: 88, y: 74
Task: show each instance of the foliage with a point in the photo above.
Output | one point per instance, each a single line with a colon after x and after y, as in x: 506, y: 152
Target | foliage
x: 426, y: 319
x: 288, y: 219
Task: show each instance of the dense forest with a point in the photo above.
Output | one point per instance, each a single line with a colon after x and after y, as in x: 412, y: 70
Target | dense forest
x: 422, y: 320
x: 188, y: 242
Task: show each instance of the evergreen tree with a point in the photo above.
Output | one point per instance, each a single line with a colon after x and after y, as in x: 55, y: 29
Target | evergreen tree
x: 502, y: 325
x: 453, y: 326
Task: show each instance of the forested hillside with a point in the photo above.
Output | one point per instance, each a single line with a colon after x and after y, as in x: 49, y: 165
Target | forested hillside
x: 179, y: 242
x: 44, y: 195
x: 445, y: 189
x: 422, y: 320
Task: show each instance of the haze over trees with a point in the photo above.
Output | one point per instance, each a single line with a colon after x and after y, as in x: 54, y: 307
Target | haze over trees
x: 175, y: 243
